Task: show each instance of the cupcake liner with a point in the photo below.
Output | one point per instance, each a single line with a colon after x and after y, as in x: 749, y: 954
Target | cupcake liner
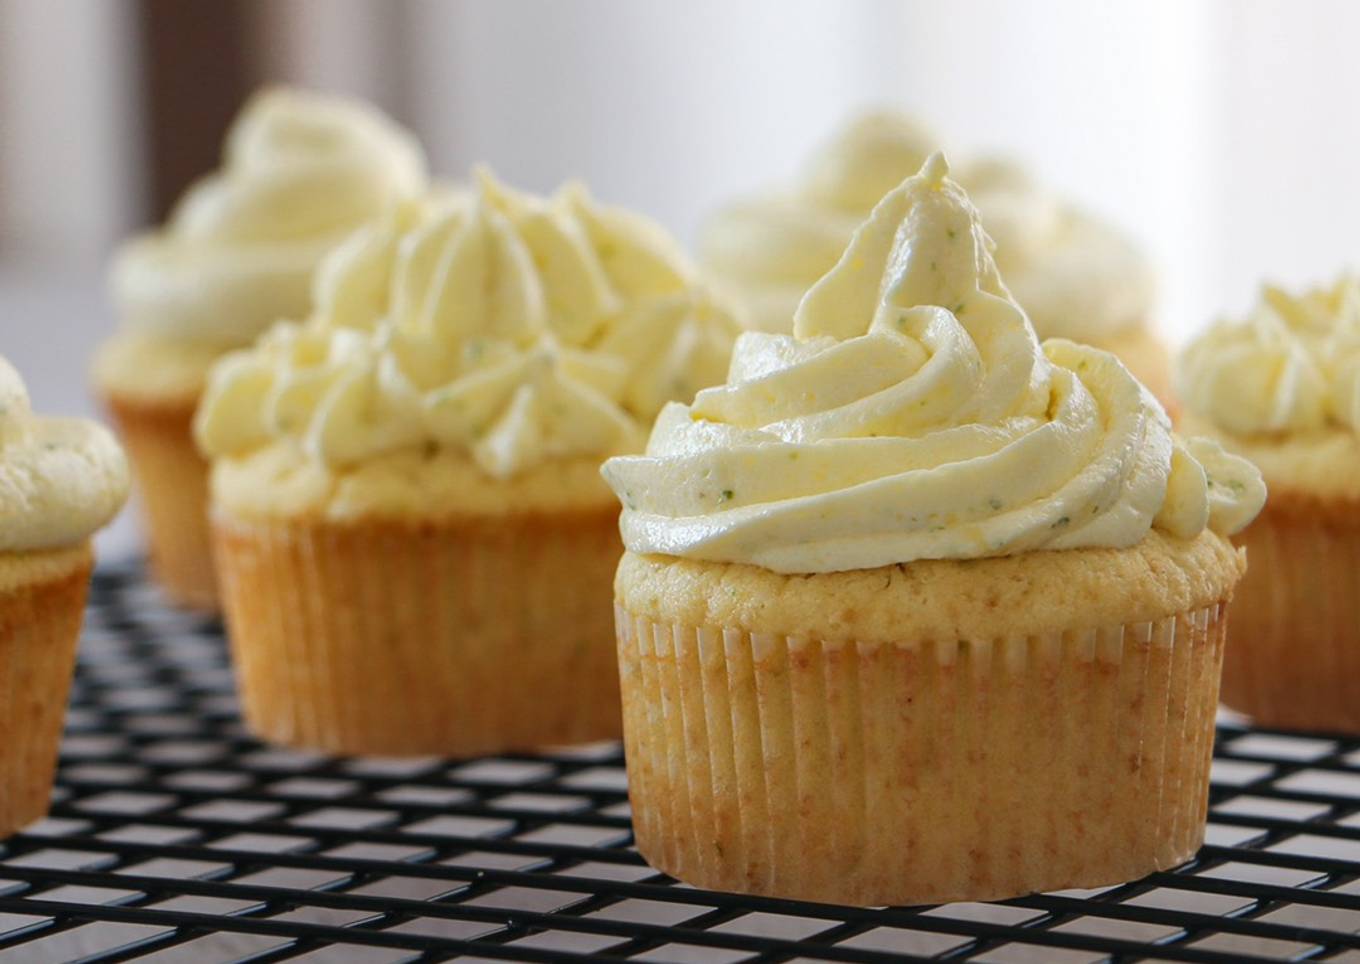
x: 40, y: 621
x: 1293, y: 661
x: 453, y: 637
x: 173, y: 482
x: 883, y: 774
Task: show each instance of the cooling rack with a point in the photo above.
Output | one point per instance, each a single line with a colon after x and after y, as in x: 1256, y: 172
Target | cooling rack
x: 175, y: 837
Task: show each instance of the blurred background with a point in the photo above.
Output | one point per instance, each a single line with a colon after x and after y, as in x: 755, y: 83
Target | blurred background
x: 1220, y: 133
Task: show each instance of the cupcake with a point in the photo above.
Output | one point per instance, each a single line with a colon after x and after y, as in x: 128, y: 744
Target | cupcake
x: 915, y: 609
x: 60, y: 480
x: 1074, y: 275
x: 300, y: 172
x: 1282, y: 388
x: 415, y: 547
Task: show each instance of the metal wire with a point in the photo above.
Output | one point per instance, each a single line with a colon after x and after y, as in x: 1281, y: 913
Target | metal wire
x: 175, y: 837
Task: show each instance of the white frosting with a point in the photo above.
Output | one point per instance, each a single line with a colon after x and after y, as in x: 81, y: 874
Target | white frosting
x: 515, y: 329
x: 60, y: 478
x: 913, y: 415
x: 1292, y: 365
x: 300, y: 172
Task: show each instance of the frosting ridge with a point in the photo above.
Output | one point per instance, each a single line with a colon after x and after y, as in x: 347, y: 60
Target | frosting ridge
x: 512, y: 328
x: 60, y: 478
x: 914, y: 415
x: 1291, y: 365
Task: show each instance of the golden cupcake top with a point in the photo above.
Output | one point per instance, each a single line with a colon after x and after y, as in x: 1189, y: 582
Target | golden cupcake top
x: 914, y: 415
x: 299, y: 172
x: 1017, y: 596
x: 1075, y: 276
x: 514, y: 329
x: 60, y: 478
x: 1291, y: 366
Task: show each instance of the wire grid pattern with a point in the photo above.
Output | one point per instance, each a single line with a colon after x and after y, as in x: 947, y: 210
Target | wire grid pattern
x: 176, y: 837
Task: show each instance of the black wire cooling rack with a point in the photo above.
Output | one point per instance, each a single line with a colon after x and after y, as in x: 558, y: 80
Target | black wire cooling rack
x: 175, y: 837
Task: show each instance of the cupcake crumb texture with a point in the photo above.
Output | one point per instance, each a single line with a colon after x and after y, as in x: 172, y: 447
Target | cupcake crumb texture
x: 940, y: 599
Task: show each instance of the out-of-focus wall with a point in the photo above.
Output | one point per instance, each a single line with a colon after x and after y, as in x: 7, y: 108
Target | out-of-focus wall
x: 1113, y: 104
x: 671, y: 108
x: 1289, y: 145
x: 68, y: 129
x: 352, y: 47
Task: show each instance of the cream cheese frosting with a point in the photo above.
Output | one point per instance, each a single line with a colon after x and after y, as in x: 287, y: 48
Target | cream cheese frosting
x: 914, y: 415
x: 1291, y: 366
x: 1075, y: 276
x: 300, y: 171
x: 60, y: 478
x: 514, y: 329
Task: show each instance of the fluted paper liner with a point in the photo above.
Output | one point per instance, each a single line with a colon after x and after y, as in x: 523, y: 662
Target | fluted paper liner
x: 453, y: 638
x: 172, y: 479
x: 39, y: 626
x: 890, y: 774
x: 1293, y: 659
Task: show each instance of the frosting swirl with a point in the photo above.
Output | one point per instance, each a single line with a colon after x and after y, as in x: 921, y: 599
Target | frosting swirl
x: 1075, y: 276
x: 300, y: 171
x: 914, y: 415
x: 60, y: 478
x: 515, y: 329
x: 1292, y: 365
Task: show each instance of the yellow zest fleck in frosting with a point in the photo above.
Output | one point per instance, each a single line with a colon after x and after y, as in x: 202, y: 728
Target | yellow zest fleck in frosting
x: 914, y: 415
x: 300, y: 172
x: 1075, y: 276
x: 515, y: 329
x: 1292, y: 365
x: 60, y: 478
